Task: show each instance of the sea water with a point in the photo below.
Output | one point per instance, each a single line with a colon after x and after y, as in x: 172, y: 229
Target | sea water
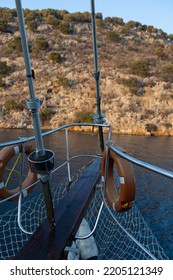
x: 154, y: 197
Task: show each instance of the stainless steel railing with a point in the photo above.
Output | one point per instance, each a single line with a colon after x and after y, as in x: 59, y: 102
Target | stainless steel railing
x: 66, y: 126
x: 68, y: 159
x: 67, y: 162
x: 109, y: 144
x: 138, y: 162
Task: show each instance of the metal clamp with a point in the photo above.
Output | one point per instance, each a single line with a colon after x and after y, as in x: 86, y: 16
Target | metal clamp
x: 33, y: 104
x: 99, y: 119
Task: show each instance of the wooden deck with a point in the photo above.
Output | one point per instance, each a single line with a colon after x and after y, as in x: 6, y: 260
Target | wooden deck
x: 46, y: 244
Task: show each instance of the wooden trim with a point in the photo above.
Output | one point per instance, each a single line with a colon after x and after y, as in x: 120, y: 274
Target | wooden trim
x: 46, y: 244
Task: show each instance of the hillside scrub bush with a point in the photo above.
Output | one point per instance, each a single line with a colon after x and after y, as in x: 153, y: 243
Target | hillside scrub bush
x: 14, y: 46
x: 167, y: 73
x: 142, y: 27
x: 63, y: 81
x: 42, y: 43
x: 114, y: 20
x: 45, y: 114
x: 64, y: 27
x: 4, y: 68
x: 99, y: 23
x: 131, y: 83
x: 139, y: 68
x: 32, y: 25
x: 11, y: 104
x: 112, y: 36
x: 152, y: 29
x: 160, y: 52
x: 31, y: 19
x: 3, y: 25
x: 32, y: 15
x: 132, y: 24
x: 150, y: 127
x: 84, y: 117
x: 54, y: 57
x: 59, y: 14
x: 8, y: 14
x: 53, y: 20
x: 78, y: 17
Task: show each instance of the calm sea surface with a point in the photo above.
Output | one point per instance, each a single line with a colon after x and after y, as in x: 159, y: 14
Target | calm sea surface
x: 154, y: 192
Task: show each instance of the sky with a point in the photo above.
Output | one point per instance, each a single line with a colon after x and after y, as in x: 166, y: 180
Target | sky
x: 158, y: 13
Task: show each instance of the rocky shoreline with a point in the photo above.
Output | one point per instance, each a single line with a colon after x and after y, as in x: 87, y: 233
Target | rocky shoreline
x: 135, y: 102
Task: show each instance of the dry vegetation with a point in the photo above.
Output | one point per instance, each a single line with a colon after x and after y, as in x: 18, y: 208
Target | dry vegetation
x: 135, y: 61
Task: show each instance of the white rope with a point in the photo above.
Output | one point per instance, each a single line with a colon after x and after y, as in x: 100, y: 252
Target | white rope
x: 129, y: 235
x: 19, y: 216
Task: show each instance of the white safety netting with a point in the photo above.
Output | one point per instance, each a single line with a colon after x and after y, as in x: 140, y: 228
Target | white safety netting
x: 123, y: 236
x: 112, y: 235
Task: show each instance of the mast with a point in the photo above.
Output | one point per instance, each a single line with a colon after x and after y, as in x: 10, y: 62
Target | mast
x: 33, y: 103
x: 99, y: 117
x: 41, y: 160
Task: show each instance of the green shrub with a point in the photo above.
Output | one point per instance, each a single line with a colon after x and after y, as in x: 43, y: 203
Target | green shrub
x: 63, y: 81
x: 132, y: 83
x: 160, y: 52
x: 112, y: 36
x: 54, y: 57
x: 150, y: 127
x: 3, y: 25
x: 132, y: 24
x: 140, y: 68
x: 15, y: 45
x: 32, y: 16
x: 8, y: 14
x: 11, y: 104
x: 32, y: 25
x: 84, y: 117
x: 167, y: 73
x: 53, y: 20
x: 99, y: 23
x: 59, y: 14
x: 114, y: 20
x: 42, y: 43
x: 45, y: 114
x: 78, y: 17
x: 4, y: 68
x: 64, y: 27
x: 151, y: 29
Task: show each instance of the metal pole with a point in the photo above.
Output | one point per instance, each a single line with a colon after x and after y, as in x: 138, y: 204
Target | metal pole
x: 68, y: 155
x: 99, y: 118
x: 41, y: 159
x: 33, y: 103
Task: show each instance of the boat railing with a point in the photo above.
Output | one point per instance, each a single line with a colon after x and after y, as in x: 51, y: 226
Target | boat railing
x: 68, y: 159
x: 138, y: 162
x: 67, y: 162
x: 109, y: 145
x: 66, y: 126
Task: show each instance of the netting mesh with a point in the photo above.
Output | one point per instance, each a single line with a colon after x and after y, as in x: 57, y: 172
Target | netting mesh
x: 33, y: 214
x: 112, y: 241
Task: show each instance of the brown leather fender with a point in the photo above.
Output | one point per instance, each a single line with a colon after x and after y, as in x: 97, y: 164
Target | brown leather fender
x: 5, y: 155
x: 123, y: 200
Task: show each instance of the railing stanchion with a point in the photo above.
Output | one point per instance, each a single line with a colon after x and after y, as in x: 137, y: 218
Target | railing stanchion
x: 68, y: 155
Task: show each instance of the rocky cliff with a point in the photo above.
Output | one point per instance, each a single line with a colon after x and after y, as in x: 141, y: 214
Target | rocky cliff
x: 136, y: 81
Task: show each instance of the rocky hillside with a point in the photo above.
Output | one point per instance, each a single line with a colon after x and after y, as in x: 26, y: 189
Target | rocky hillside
x: 135, y: 61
